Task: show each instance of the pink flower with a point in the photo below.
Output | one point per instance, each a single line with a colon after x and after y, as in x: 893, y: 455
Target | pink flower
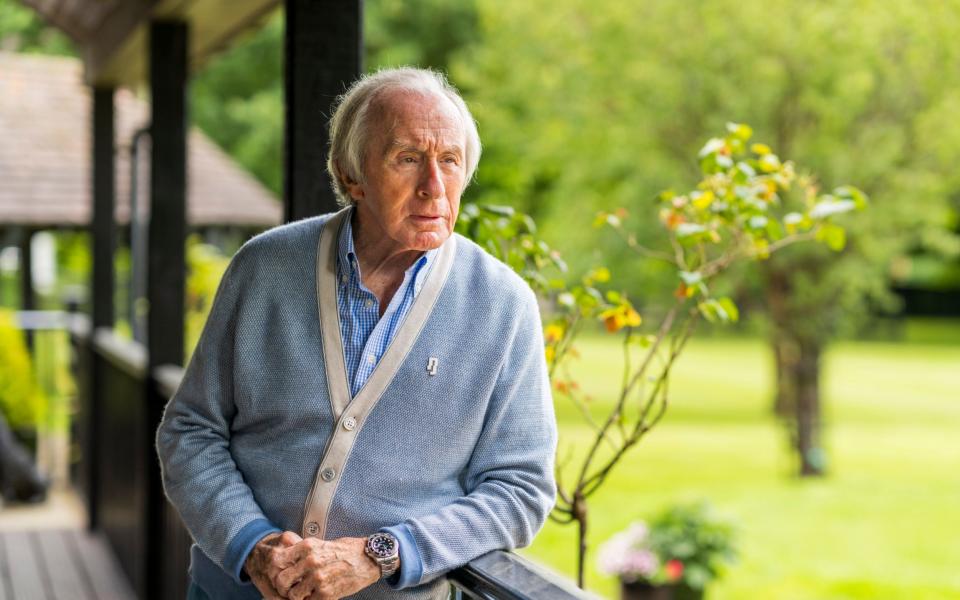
x: 639, y: 564
x: 626, y: 555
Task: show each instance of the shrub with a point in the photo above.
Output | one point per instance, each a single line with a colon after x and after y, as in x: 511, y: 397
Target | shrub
x: 21, y: 400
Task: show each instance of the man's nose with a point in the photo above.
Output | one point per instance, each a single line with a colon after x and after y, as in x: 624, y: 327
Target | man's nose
x: 430, y: 186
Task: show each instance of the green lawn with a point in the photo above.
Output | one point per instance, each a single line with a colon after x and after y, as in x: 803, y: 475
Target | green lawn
x: 884, y: 524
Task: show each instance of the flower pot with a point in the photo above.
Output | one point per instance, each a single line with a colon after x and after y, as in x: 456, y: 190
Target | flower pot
x: 646, y: 591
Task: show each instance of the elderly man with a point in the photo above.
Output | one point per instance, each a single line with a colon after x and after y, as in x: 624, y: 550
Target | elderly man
x: 368, y: 406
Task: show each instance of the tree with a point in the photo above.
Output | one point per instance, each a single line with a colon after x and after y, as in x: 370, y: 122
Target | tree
x: 421, y: 33
x: 584, y: 108
x: 748, y: 205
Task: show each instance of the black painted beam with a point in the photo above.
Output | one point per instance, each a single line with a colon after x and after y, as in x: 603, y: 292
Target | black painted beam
x: 323, y: 54
x: 27, y: 295
x: 102, y: 228
x: 166, y: 263
x: 103, y: 238
x: 168, y: 190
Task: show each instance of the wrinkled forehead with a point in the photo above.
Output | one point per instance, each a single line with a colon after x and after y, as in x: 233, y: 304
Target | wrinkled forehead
x: 408, y: 117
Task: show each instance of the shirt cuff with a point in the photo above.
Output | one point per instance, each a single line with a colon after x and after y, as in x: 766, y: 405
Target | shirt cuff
x: 240, y: 546
x: 411, y: 565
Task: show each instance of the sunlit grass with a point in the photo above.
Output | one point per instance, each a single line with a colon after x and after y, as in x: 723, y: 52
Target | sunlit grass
x: 883, y: 524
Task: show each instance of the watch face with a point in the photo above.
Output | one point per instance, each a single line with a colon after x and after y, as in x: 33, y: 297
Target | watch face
x: 382, y: 545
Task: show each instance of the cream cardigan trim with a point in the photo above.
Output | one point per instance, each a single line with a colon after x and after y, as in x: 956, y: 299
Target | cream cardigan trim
x: 351, y: 414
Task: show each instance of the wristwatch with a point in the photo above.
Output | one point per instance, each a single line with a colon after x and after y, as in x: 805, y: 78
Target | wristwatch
x: 385, y: 550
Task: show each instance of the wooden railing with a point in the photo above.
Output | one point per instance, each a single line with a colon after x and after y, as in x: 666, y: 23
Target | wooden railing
x: 119, y: 470
x: 119, y: 475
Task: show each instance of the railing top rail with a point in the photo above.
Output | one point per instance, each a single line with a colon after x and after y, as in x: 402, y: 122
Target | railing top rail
x: 168, y: 379
x: 52, y: 320
x: 127, y: 355
x: 501, y: 575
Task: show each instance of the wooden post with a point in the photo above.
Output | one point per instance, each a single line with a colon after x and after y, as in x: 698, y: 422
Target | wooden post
x: 103, y: 229
x: 166, y: 263
x: 103, y: 238
x: 27, y: 296
x: 323, y: 53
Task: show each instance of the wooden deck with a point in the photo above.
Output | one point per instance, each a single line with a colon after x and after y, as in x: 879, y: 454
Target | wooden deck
x: 46, y: 553
x: 59, y: 564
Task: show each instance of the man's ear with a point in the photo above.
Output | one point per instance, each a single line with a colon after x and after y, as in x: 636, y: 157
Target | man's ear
x: 354, y: 188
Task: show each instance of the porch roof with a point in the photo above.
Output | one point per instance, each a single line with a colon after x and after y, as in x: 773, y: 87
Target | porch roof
x: 112, y: 34
x: 45, y: 155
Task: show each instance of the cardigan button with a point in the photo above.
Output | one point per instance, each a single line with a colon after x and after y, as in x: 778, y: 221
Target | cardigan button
x: 349, y: 423
x: 313, y: 528
x: 328, y: 474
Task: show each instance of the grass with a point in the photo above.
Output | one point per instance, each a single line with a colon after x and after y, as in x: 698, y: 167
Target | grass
x: 883, y: 524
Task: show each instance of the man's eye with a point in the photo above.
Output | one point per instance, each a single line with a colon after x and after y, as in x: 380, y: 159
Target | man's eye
x: 408, y: 159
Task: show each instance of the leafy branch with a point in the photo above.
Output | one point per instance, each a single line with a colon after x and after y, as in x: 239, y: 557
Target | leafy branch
x: 747, y: 205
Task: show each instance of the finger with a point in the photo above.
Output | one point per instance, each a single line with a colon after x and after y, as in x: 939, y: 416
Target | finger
x: 299, y: 549
x: 307, y: 588
x: 290, y: 538
x: 280, y: 560
x: 285, y: 557
x: 303, y: 569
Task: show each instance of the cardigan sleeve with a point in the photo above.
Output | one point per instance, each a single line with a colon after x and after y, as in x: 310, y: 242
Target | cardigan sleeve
x: 199, y: 474
x: 509, y: 479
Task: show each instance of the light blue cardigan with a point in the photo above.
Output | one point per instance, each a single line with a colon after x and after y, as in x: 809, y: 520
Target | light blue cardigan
x: 449, y: 445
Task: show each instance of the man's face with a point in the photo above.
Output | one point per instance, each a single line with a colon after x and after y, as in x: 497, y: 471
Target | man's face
x: 414, y: 169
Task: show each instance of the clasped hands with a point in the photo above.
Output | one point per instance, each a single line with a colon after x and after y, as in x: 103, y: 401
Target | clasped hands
x: 286, y: 566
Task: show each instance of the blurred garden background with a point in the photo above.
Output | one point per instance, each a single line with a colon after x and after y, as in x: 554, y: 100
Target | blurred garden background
x: 595, y: 106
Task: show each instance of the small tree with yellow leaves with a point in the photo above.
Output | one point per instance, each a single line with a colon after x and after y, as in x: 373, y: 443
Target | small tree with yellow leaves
x: 748, y: 205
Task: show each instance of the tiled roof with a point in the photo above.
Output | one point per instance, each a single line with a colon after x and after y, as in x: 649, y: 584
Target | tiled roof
x: 45, y: 154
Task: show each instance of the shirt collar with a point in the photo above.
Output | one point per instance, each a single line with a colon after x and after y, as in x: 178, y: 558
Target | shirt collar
x: 348, y: 264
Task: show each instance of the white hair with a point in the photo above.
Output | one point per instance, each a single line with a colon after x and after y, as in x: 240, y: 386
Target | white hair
x: 350, y: 130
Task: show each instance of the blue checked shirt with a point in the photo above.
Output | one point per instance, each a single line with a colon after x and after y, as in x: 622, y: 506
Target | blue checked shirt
x: 366, y: 335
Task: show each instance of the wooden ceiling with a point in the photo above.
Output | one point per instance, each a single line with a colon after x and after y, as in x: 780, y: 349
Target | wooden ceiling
x: 112, y: 34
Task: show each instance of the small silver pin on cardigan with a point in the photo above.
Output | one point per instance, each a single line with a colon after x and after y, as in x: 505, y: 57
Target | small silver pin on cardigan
x: 432, y: 363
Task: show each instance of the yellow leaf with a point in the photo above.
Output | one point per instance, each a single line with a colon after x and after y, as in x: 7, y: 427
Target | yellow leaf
x: 601, y: 274
x: 760, y: 149
x: 704, y: 200
x: 610, y: 312
x: 553, y: 333
x: 762, y: 248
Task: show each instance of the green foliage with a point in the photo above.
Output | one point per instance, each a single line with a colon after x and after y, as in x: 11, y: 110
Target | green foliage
x: 21, y: 30
x: 579, y: 115
x: 425, y: 33
x: 697, y: 537
x: 686, y: 546
x: 21, y: 399
x: 206, y: 265
x: 237, y: 100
